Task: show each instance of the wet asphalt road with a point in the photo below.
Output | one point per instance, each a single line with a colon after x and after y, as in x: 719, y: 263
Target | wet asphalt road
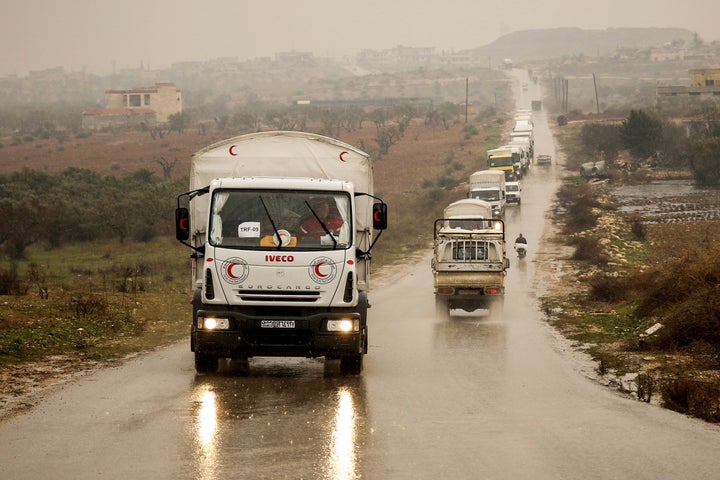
x: 473, y: 397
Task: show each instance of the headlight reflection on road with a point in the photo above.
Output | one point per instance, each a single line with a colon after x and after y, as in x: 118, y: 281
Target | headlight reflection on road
x: 342, y: 450
x: 207, y: 420
x: 206, y: 425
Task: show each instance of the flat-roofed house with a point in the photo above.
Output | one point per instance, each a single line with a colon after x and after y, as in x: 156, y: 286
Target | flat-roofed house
x: 133, y: 107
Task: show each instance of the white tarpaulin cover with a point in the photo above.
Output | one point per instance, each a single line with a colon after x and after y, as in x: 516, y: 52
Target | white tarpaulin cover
x: 469, y: 208
x: 487, y: 176
x: 282, y: 154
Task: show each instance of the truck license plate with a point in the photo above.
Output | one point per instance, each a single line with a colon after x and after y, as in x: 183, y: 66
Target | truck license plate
x: 467, y: 291
x: 277, y: 323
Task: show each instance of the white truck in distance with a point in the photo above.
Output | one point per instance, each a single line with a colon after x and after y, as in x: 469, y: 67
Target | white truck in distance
x: 489, y: 186
x: 469, y: 258
x: 281, y: 225
x: 524, y: 129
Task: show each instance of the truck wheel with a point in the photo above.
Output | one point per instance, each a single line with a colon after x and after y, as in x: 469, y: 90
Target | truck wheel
x: 205, y: 363
x: 496, y: 307
x: 352, y: 365
x: 442, y: 309
x: 241, y: 366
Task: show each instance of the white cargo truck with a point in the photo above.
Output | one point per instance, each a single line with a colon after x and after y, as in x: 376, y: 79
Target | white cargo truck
x: 489, y: 186
x: 524, y: 129
x: 281, y: 225
x: 469, y: 258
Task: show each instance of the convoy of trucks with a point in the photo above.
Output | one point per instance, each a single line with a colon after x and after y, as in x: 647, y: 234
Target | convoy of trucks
x: 469, y: 260
x: 281, y: 226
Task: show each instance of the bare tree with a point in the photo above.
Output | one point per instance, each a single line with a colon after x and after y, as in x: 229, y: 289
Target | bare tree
x: 167, y: 166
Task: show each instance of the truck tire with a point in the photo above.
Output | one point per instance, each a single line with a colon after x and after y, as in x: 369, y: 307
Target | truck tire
x: 351, y: 365
x: 205, y: 363
x: 496, y: 307
x: 442, y: 309
x: 362, y: 309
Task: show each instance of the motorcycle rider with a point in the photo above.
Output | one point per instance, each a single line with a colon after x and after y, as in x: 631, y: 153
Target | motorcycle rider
x: 521, y: 242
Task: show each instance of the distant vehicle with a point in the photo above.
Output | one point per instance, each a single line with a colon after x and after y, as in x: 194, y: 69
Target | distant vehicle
x: 593, y: 169
x: 512, y: 192
x: 489, y: 186
x: 543, y: 160
x: 469, y: 261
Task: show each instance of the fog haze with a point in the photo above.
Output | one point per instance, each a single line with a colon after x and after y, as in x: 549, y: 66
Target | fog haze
x: 100, y: 36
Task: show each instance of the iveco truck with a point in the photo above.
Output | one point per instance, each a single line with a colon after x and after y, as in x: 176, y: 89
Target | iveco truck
x: 281, y: 226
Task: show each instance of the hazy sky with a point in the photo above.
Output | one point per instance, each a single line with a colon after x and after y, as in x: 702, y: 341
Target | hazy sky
x: 97, y: 34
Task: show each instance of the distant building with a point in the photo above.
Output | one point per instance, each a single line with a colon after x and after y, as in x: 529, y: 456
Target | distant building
x: 705, y: 77
x: 131, y: 108
x: 704, y: 86
x: 295, y: 58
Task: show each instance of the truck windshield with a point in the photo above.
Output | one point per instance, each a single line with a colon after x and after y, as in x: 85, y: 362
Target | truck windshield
x: 487, y: 195
x: 279, y: 220
x: 494, y: 162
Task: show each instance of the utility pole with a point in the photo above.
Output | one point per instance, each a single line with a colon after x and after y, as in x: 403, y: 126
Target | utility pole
x: 597, y: 102
x: 466, y: 99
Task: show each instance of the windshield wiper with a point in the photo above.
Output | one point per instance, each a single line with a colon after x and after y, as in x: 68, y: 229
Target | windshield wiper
x: 322, y: 224
x: 272, y: 223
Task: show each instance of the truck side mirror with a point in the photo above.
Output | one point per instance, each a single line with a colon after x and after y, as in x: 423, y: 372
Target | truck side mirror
x: 182, y: 224
x: 379, y: 216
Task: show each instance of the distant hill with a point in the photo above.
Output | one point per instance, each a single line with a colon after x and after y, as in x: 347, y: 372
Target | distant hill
x: 558, y: 42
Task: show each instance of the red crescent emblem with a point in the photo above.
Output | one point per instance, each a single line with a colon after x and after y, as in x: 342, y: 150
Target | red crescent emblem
x: 342, y: 154
x: 318, y: 272
x: 231, y: 150
x: 377, y: 216
x: 183, y: 224
x: 228, y: 270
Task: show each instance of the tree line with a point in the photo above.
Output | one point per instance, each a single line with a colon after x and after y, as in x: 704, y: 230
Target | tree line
x: 694, y: 145
x: 79, y: 205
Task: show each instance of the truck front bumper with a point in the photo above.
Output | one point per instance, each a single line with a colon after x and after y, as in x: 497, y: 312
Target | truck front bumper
x: 248, y: 335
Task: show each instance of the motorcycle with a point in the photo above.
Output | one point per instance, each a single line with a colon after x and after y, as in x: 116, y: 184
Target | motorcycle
x: 521, y: 249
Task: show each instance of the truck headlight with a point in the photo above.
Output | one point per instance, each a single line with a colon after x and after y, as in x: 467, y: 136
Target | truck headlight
x: 344, y: 325
x: 214, y: 323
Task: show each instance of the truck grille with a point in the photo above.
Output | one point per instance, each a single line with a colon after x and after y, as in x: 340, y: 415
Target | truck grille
x: 468, y: 250
x: 278, y: 296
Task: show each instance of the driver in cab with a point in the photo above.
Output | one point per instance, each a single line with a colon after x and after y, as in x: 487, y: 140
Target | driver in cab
x: 322, y: 211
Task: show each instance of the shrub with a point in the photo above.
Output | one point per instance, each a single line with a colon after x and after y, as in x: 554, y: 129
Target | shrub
x: 589, y: 249
x: 579, y: 202
x: 608, y: 288
x: 87, y: 305
x: 699, y: 398
x: 11, y: 283
x: 646, y: 385
x: 637, y: 227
